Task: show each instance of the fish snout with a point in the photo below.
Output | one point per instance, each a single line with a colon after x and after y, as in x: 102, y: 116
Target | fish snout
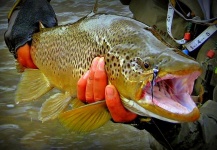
x: 177, y: 64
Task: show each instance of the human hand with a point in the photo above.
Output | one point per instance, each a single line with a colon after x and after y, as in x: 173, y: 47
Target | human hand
x: 21, y: 24
x: 92, y: 87
x: 24, y: 57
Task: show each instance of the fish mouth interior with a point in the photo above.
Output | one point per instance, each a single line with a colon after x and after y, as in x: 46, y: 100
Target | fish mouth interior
x: 171, y: 93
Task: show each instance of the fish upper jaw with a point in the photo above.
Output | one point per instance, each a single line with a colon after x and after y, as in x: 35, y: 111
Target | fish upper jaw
x: 169, y: 99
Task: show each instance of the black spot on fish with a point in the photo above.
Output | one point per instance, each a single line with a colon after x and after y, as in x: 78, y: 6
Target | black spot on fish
x: 113, y: 57
x: 127, y: 57
x: 128, y: 65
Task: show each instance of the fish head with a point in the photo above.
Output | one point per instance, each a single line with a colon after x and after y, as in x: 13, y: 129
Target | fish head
x: 156, y: 83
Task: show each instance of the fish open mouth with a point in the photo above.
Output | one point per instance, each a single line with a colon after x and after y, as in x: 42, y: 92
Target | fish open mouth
x: 170, y: 98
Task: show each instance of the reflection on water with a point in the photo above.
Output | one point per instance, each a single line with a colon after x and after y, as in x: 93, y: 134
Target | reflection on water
x: 19, y: 126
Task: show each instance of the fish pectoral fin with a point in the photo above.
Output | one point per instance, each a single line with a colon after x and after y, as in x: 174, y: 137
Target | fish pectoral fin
x: 86, y: 118
x: 76, y: 103
x: 33, y: 84
x: 53, y: 106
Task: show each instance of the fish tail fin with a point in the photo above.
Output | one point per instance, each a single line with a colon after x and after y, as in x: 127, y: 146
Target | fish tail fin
x: 33, y: 84
x: 85, y: 118
x: 53, y: 106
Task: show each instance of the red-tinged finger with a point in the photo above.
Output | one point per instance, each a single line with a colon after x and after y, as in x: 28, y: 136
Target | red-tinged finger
x: 100, y: 81
x: 116, y: 108
x: 81, y: 87
x: 90, y: 81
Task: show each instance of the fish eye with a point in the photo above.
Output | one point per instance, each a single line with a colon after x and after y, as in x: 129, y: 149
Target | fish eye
x: 146, y: 65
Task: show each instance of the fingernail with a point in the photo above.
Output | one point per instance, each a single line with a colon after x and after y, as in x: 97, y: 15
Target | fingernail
x: 109, y: 92
x: 86, y: 74
x: 101, y: 64
x: 95, y: 63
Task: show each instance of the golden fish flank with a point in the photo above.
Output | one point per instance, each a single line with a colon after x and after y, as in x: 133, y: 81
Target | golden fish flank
x: 131, y: 51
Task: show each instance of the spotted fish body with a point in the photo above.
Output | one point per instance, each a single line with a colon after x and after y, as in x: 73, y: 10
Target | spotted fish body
x: 64, y: 53
x: 131, y: 51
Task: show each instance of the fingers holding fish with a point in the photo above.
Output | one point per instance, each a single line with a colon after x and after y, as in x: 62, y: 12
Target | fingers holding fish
x: 90, y: 81
x: 24, y: 57
x: 81, y: 86
x: 91, y: 86
x: 100, y: 81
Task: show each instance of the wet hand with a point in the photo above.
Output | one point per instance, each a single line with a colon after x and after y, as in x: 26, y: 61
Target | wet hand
x: 92, y: 87
x: 24, y: 57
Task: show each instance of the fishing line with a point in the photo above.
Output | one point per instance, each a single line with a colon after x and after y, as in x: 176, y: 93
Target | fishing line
x: 155, y: 73
x: 162, y: 135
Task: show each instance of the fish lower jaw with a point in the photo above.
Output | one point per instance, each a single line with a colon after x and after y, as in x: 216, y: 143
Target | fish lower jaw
x: 159, y: 113
x: 137, y: 109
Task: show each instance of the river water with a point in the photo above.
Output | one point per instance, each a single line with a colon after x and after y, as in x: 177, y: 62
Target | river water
x: 19, y: 125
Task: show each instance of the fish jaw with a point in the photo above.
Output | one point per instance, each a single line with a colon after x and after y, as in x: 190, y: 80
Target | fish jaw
x: 171, y: 99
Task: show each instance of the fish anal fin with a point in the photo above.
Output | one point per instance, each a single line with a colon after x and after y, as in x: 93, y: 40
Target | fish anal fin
x: 85, y: 118
x: 33, y: 84
x: 53, y: 106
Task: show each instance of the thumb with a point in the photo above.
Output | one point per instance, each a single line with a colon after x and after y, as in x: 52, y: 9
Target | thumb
x: 24, y: 57
x: 115, y: 106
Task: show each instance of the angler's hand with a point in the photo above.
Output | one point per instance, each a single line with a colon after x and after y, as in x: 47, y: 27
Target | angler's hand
x: 93, y: 87
x: 22, y: 25
x: 24, y: 57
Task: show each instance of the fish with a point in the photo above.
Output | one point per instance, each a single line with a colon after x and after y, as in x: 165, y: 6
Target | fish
x: 152, y: 78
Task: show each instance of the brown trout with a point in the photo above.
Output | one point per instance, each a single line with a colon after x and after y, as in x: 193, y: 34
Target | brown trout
x: 152, y: 78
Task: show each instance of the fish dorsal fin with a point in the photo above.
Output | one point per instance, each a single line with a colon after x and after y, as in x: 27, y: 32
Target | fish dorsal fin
x: 53, y: 106
x: 33, y: 84
x: 95, y: 9
x: 86, y: 118
x: 41, y: 26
